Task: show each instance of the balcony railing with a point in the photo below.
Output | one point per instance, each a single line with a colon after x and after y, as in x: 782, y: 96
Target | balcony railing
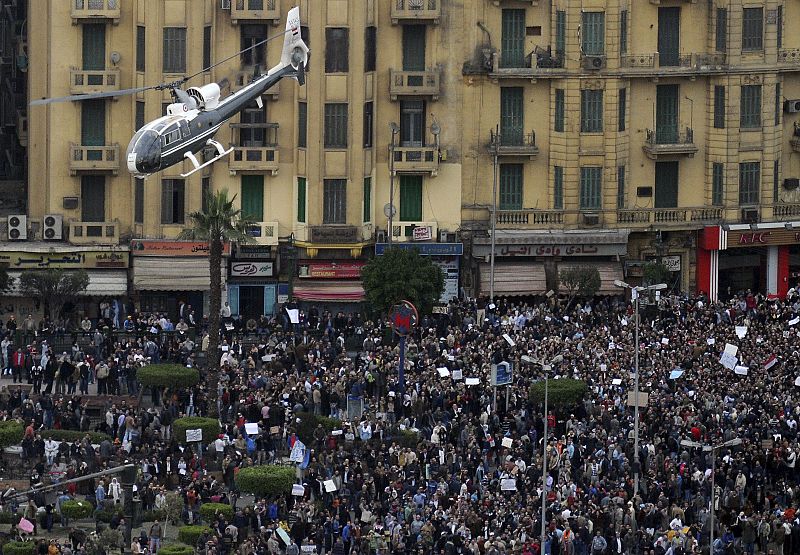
x: 414, y: 83
x: 669, y: 141
x: 649, y: 62
x: 790, y: 56
x: 255, y: 10
x: 414, y: 231
x: 83, y: 10
x: 416, y: 159
x: 784, y: 211
x: 530, y: 217
x: 414, y: 11
x: 243, y: 78
x: 542, y: 62
x: 85, y: 81
x: 93, y: 233
x: 93, y: 158
x: 639, y: 218
x: 513, y: 144
x: 255, y: 149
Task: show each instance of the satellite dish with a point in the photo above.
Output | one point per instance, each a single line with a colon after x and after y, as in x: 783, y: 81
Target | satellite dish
x: 389, y: 210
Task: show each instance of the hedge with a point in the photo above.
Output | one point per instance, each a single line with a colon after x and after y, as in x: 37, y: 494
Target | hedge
x: 108, y: 516
x: 176, y: 549
x: 18, y: 548
x: 563, y: 392
x: 190, y: 534
x: 266, y: 480
x: 308, y: 423
x: 11, y: 433
x: 77, y: 509
x: 167, y: 375
x: 75, y: 435
x: 208, y: 511
x: 210, y: 427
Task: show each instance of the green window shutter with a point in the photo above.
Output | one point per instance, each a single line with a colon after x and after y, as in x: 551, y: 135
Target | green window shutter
x: 719, y: 107
x: 623, y: 31
x: 750, y: 114
x: 413, y: 43
x: 510, y: 187
x: 561, y: 35
x: 174, y: 50
x: 666, y: 194
x: 717, y: 184
x: 511, y: 115
x: 749, y: 182
x: 410, y: 198
x: 779, y: 24
x: 301, y: 199
x: 558, y: 124
x: 141, y: 48
x: 138, y: 201
x: 593, y: 33
x: 752, y: 28
x: 94, y: 46
x: 512, y: 47
x: 253, y: 197
x: 667, y: 114
x: 778, y: 103
x: 669, y: 28
x: 367, y: 199
x: 591, y: 186
x: 302, y: 125
x: 721, y: 37
x: 334, y: 201
x: 558, y: 188
x: 621, y: 187
x: 622, y: 108
x: 335, y: 125
x: 93, y: 124
x: 591, y: 111
x: 93, y: 198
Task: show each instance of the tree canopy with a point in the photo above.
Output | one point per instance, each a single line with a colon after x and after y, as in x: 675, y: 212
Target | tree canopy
x: 56, y: 287
x: 579, y: 281
x: 402, y: 274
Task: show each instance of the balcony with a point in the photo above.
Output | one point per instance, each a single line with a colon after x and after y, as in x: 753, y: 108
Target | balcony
x: 405, y: 232
x: 415, y: 11
x: 655, y: 64
x: 260, y: 154
x: 95, y: 10
x: 540, y: 63
x: 529, y: 219
x: 639, y: 218
x: 416, y: 160
x: 669, y: 142
x: 243, y: 78
x: 785, y: 211
x: 665, y: 217
x: 85, y: 158
x: 789, y: 56
x: 250, y: 11
x: 414, y: 83
x: 85, y: 81
x: 513, y: 144
x: 93, y: 233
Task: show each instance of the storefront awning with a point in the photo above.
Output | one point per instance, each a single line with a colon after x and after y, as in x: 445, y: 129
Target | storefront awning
x: 609, y: 271
x: 163, y: 273
x: 514, y: 278
x: 101, y: 283
x: 329, y: 291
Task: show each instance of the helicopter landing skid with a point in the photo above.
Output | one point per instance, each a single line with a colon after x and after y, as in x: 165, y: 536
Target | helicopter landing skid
x: 221, y: 153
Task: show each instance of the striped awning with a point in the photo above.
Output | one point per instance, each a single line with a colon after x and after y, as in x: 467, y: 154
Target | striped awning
x: 329, y: 291
x: 514, y: 278
x: 173, y: 273
x: 101, y: 283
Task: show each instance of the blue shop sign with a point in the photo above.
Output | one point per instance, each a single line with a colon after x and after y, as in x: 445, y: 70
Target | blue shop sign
x: 425, y: 249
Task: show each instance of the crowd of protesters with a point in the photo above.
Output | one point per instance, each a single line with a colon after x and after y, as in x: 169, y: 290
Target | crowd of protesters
x: 437, y: 464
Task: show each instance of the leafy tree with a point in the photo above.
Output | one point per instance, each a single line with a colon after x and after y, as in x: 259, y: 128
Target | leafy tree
x: 655, y: 272
x: 219, y: 222
x: 6, y: 281
x: 579, y: 281
x: 56, y: 287
x: 11, y: 433
x: 172, y: 509
x: 402, y: 274
x: 208, y: 512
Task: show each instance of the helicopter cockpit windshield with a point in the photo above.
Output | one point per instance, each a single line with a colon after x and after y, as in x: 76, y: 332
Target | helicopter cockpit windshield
x: 144, y: 152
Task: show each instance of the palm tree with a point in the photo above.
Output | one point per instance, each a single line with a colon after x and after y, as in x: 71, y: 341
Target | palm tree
x: 218, y: 222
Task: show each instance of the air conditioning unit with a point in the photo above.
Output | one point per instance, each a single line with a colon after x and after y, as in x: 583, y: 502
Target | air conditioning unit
x: 792, y: 106
x: 791, y: 183
x: 53, y: 227
x: 750, y: 215
x: 593, y: 62
x: 380, y: 236
x: 591, y: 219
x: 446, y: 236
x: 264, y: 233
x: 225, y: 4
x: 18, y: 227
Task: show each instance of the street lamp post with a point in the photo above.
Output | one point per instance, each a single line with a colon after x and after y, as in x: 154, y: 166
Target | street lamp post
x: 495, y: 154
x: 635, y: 296
x: 395, y: 129
x: 713, y: 448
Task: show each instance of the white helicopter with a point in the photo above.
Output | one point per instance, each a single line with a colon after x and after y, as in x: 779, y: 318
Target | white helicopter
x: 197, y: 113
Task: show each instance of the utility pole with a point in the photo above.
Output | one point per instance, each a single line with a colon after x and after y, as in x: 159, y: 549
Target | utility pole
x: 495, y: 154
x: 395, y: 129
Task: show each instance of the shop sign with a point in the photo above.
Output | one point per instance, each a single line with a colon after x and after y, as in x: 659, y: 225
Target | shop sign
x: 174, y: 248
x: 253, y: 252
x: 765, y: 237
x: 450, y: 269
x: 611, y: 249
x: 80, y: 259
x: 252, y: 269
x: 422, y: 233
x: 672, y: 262
x: 425, y: 249
x: 334, y: 234
x: 343, y: 270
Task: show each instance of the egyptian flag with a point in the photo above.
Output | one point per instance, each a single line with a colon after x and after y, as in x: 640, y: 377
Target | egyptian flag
x: 770, y: 362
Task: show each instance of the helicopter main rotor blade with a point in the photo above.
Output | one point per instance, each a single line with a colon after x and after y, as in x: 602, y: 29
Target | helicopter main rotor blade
x: 89, y: 96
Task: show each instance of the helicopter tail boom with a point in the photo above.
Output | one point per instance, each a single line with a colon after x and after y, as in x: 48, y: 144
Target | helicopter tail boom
x: 295, y: 51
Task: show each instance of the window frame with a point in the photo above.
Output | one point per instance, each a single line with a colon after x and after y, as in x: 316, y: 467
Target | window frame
x: 334, y: 201
x: 717, y: 184
x: 174, y: 50
x: 591, y: 188
x: 335, y: 125
x: 558, y: 188
x: 593, y: 33
x: 719, y: 106
x: 173, y: 189
x: 591, y: 110
x: 511, y: 179
x: 560, y: 111
x: 337, y: 50
x: 752, y: 41
x: 750, y: 107
x: 749, y: 183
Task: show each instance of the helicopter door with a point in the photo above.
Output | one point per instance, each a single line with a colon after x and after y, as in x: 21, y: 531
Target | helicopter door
x: 185, y: 131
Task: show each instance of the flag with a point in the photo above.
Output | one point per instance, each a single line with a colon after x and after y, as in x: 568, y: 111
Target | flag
x: 770, y: 362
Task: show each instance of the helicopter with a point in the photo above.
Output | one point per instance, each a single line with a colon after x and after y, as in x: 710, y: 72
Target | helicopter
x: 197, y: 113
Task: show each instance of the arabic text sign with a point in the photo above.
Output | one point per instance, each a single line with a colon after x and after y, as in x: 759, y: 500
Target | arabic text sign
x: 77, y: 259
x: 194, y: 435
x: 252, y: 269
x: 174, y: 248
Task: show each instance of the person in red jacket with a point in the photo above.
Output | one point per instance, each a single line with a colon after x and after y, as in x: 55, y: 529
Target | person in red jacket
x: 17, y: 364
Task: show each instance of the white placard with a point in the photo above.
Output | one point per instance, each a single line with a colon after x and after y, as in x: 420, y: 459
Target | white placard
x: 731, y: 349
x: 797, y: 381
x: 616, y: 381
x: 507, y: 442
x: 298, y: 490
x: 741, y: 331
x: 741, y: 370
x: 338, y: 432
x: 294, y: 315
x: 710, y: 341
x: 491, y: 306
x: 194, y: 435
x: 509, y: 340
x: 443, y: 372
x: 665, y: 340
x: 251, y: 428
x: 458, y: 374
x: 298, y: 452
x: 793, y: 321
x: 308, y: 549
x: 329, y: 486
x: 508, y: 484
x: 472, y: 381
x: 728, y: 361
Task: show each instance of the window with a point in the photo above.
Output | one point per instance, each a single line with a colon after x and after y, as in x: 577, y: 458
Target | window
x: 302, y: 125
x: 301, y: 199
x: 558, y: 124
x: 174, y: 59
x: 139, y: 114
x: 512, y: 41
x: 369, y: 48
x: 752, y: 28
x: 719, y: 107
x: 558, y: 188
x: 140, y: 47
x: 253, y: 136
x: 412, y: 122
x: 591, y: 111
x: 751, y: 107
x: 138, y: 200
x: 623, y: 31
x: 205, y: 193
x: 717, y: 184
x: 414, y: 45
x: 251, y: 35
x: 206, y: 47
x: 721, y: 37
x: 778, y: 103
x: 593, y: 33
x: 335, y: 125
x: 749, y: 182
x: 253, y: 198
x: 172, y: 201
x: 776, y: 171
x: 622, y: 108
x: 410, y: 198
x: 334, y: 202
x: 94, y: 48
x: 337, y: 43
x: 368, y: 124
x: 591, y: 180
x: 93, y: 198
x: 561, y: 35
x: 511, y: 116
x: 93, y: 126
x: 510, y: 186
x: 620, y: 186
x: 367, y: 200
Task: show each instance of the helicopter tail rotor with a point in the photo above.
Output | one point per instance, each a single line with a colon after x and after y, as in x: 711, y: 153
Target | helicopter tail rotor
x: 295, y: 51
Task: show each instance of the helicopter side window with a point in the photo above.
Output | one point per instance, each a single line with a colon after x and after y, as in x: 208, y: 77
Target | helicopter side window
x: 172, y: 136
